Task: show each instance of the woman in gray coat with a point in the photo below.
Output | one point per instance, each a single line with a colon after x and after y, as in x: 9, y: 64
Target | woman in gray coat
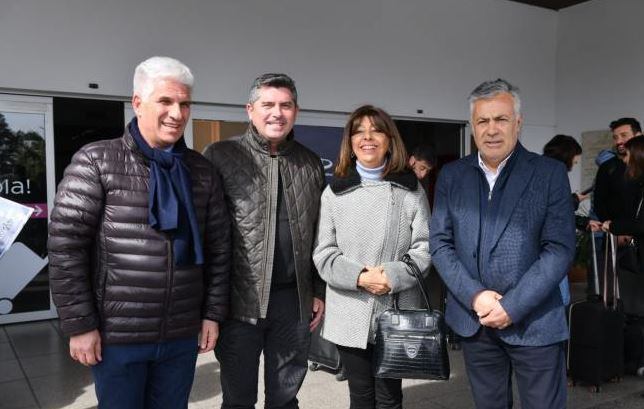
x: 372, y: 214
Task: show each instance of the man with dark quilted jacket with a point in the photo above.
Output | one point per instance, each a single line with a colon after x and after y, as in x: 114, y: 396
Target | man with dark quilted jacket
x: 139, y: 250
x: 272, y: 188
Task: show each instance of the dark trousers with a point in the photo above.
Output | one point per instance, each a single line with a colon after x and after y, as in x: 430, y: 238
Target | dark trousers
x: 365, y: 391
x: 540, y: 372
x: 285, y: 343
x: 151, y: 376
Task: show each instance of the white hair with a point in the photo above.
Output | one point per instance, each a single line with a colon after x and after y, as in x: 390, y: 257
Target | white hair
x: 156, y: 68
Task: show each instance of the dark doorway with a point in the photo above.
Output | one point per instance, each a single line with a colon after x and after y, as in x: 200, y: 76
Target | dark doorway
x: 78, y: 122
x: 445, y: 139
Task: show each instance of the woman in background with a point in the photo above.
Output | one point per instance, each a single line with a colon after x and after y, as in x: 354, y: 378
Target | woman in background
x: 566, y: 149
x: 372, y: 214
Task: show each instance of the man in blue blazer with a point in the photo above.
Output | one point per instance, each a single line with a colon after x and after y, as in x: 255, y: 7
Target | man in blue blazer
x: 502, y: 237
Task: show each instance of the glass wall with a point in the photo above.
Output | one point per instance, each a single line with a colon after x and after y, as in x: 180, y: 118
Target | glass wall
x: 25, y: 173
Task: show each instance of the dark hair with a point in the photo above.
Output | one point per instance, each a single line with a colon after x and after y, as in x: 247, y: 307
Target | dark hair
x: 563, y: 148
x: 272, y: 80
x: 425, y: 152
x: 634, y: 123
x: 635, y: 148
x: 397, y: 161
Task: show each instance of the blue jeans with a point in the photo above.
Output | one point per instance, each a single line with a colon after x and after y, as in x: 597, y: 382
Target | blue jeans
x: 150, y: 376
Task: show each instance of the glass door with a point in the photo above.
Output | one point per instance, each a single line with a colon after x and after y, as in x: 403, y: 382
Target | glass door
x: 26, y: 177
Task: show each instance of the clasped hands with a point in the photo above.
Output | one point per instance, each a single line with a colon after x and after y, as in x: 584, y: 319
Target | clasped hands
x: 374, y: 280
x: 490, y: 311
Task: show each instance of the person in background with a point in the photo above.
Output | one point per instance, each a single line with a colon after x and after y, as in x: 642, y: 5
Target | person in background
x: 272, y: 186
x: 614, y: 194
x: 139, y: 250
x: 632, y: 226
x: 567, y: 150
x: 422, y: 160
x: 372, y: 214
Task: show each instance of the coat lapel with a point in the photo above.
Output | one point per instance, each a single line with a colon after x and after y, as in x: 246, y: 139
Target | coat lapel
x: 516, y: 183
x: 471, y: 190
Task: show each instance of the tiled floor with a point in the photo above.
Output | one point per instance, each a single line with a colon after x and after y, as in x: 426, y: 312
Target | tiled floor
x: 36, y: 372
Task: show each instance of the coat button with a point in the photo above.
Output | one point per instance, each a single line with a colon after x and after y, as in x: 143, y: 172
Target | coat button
x: 474, y: 254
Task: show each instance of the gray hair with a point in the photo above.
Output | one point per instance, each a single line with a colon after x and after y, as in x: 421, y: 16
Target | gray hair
x: 272, y: 80
x: 490, y: 89
x: 156, y: 68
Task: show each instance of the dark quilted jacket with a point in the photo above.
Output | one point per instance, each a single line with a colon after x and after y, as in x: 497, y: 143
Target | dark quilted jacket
x: 250, y: 175
x: 110, y: 270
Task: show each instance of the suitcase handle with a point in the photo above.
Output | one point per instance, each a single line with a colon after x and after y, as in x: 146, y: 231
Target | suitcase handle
x: 610, y: 247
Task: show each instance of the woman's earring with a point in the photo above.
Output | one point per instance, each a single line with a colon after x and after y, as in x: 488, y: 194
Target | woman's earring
x: 353, y: 155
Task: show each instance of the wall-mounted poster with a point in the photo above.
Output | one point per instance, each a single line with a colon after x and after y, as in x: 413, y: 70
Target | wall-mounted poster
x: 323, y: 140
x: 592, y: 142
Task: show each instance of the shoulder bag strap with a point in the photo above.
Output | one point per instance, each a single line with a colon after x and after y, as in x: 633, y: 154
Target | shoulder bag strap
x: 415, y: 271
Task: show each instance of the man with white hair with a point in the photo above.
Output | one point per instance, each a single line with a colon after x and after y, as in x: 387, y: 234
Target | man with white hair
x: 139, y: 250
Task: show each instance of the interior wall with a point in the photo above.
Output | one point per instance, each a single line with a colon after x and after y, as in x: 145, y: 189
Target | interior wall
x: 600, y: 66
x: 402, y: 55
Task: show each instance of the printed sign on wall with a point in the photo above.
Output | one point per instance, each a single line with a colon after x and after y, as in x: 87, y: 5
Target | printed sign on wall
x: 323, y: 140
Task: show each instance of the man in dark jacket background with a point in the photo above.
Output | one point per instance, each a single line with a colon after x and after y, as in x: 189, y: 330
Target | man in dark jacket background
x: 272, y: 188
x: 139, y: 250
x: 613, y: 195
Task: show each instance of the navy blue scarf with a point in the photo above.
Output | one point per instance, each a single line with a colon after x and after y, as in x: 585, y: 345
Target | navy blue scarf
x: 170, y: 207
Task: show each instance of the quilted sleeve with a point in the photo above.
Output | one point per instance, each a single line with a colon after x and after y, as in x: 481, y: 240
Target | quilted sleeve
x: 77, y: 211
x: 218, y: 253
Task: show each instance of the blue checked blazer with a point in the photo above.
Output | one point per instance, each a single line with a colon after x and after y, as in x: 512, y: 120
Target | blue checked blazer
x: 526, y: 254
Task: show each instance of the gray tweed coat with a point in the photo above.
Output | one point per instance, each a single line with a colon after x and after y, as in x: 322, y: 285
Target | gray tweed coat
x: 369, y: 223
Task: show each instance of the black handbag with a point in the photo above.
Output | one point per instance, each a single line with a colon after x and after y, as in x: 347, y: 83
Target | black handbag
x: 628, y: 257
x: 411, y: 344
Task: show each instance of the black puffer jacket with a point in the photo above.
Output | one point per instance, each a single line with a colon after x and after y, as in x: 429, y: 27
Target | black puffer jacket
x: 250, y: 177
x: 110, y: 270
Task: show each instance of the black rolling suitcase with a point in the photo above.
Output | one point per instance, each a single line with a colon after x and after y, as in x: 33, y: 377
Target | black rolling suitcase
x: 324, y: 355
x: 596, y: 346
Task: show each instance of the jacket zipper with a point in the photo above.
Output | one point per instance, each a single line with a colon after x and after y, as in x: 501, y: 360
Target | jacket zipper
x: 269, y: 233
x: 291, y: 223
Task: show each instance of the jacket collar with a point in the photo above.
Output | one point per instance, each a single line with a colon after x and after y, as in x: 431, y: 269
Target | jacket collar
x: 262, y: 145
x: 405, y: 180
x: 519, y: 151
x: 128, y: 139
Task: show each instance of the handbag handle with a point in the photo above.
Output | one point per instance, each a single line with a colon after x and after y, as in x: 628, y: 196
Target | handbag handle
x: 415, y: 271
